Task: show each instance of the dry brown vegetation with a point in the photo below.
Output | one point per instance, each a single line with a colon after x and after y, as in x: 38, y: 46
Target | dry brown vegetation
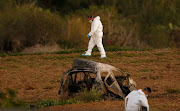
x: 24, y: 24
x: 37, y: 77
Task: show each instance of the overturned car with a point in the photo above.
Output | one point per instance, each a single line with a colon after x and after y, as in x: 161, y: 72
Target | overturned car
x: 89, y: 74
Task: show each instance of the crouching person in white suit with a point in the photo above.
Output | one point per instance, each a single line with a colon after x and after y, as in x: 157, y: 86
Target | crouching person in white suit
x: 96, y: 34
x: 137, y: 100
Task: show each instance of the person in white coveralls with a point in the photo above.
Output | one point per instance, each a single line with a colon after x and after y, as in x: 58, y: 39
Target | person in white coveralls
x: 96, y: 34
x: 137, y: 100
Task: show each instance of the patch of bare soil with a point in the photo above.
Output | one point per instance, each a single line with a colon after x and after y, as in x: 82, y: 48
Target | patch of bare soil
x: 37, y: 77
x: 93, y: 106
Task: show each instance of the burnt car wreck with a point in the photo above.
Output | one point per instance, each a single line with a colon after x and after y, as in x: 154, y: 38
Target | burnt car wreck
x: 89, y: 74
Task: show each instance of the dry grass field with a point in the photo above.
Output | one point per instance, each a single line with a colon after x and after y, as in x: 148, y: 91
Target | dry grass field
x: 37, y: 77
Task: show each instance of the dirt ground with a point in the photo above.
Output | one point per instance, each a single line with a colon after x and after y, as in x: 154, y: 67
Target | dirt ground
x: 37, y: 77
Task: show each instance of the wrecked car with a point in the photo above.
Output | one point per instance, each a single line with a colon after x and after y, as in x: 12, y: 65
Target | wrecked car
x: 88, y: 74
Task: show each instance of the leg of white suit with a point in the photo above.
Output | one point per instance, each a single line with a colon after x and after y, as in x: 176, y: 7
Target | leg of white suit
x: 90, y: 46
x: 99, y: 44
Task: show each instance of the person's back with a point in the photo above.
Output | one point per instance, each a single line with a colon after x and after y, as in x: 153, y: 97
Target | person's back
x: 131, y: 101
x: 136, y: 100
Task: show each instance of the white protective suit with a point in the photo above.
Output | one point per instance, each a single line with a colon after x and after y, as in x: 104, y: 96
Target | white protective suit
x: 96, y: 37
x: 135, y: 100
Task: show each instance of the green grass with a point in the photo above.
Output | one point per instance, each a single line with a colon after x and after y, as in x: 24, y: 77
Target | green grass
x: 108, y: 49
x: 3, y: 55
x: 126, y: 54
x: 154, y: 77
x: 161, y: 53
x: 46, y: 103
x: 147, y: 61
x: 2, y: 68
x: 140, y: 61
x: 70, y: 51
x: 8, y: 60
x: 143, y: 77
x: 83, y: 96
x: 178, y: 53
x: 117, y: 48
x: 19, y: 54
x: 54, y: 64
x: 15, y: 66
x: 164, y: 105
x: 55, y: 58
x: 146, y: 70
x: 171, y: 90
x: 13, y: 60
x: 10, y: 100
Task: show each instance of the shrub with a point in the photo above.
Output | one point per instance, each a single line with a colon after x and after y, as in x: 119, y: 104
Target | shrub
x: 46, y: 103
x: 74, y: 32
x: 27, y: 25
x: 9, y: 100
x: 87, y: 96
x: 157, y: 36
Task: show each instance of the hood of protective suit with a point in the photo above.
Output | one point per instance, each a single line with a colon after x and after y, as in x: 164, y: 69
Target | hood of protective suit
x: 98, y: 18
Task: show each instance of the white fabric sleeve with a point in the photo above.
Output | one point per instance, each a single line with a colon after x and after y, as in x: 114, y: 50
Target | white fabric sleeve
x: 94, y: 27
x: 125, y: 104
x: 144, y: 102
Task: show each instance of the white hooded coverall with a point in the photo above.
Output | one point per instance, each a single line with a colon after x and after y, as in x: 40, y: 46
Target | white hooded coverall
x: 135, y: 100
x: 96, y: 34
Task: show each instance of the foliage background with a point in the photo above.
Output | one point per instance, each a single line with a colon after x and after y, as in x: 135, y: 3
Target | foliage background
x: 127, y: 23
